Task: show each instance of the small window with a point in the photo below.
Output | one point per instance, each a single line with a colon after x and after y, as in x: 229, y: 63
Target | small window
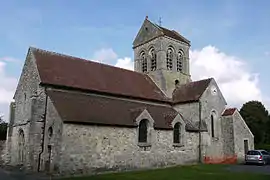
x: 153, y: 58
x: 169, y: 58
x: 143, y: 131
x: 212, y: 126
x: 50, y: 132
x: 144, y: 62
x: 176, y: 133
x: 180, y: 58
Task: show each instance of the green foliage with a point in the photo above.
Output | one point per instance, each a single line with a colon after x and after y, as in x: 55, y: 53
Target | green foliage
x: 257, y: 118
x: 3, y: 129
x: 209, y: 172
x: 263, y: 146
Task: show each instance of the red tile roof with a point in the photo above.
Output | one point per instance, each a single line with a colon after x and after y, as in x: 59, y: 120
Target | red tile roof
x: 190, y: 92
x: 229, y: 111
x: 173, y: 34
x: 67, y: 71
x: 74, y: 107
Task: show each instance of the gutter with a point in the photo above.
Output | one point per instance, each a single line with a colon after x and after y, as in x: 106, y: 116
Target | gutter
x: 44, y: 125
x: 200, y: 138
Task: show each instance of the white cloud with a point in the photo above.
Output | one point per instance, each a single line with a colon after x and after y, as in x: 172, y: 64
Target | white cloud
x: 7, y: 88
x: 237, y: 83
x: 108, y: 56
x: 125, y: 63
x: 9, y: 59
x: 105, y: 56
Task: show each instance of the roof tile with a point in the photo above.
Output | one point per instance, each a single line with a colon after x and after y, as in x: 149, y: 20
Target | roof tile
x: 67, y: 71
x: 74, y: 107
x: 191, y: 91
x: 229, y: 111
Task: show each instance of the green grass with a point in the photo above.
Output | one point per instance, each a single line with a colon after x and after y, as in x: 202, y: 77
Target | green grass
x: 209, y: 172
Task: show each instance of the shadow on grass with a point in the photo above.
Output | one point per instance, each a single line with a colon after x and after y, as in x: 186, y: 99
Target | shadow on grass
x: 195, y: 172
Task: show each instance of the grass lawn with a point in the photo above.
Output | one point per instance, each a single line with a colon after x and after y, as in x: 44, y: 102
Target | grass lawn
x: 209, y: 172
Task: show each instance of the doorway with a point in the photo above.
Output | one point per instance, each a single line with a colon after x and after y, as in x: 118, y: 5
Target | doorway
x: 246, y: 146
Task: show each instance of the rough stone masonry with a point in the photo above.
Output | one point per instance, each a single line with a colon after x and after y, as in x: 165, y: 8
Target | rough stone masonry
x: 75, y: 116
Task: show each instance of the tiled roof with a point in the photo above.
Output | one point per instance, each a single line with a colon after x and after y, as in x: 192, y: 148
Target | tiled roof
x: 173, y: 34
x: 190, y: 92
x: 74, y: 107
x: 67, y: 71
x: 229, y: 111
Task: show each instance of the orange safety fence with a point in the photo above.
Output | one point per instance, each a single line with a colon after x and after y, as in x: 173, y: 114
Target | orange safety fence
x: 220, y: 160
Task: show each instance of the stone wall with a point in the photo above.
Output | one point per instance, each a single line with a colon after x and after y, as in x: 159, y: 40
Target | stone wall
x: 29, y: 113
x: 52, y: 140
x: 213, y: 104
x: 165, y: 79
x: 241, y: 133
x: 228, y: 136
x: 91, y: 149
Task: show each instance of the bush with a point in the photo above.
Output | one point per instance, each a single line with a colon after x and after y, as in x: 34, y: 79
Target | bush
x: 263, y: 146
x: 3, y: 131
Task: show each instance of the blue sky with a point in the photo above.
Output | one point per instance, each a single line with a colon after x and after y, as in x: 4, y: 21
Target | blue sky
x: 238, y: 28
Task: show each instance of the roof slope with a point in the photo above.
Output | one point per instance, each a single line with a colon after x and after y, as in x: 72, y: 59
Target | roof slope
x: 67, y: 71
x: 229, y: 111
x: 173, y: 34
x: 76, y: 107
x: 191, y: 91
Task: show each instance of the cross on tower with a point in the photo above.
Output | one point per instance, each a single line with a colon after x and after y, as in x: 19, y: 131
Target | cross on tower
x: 159, y: 21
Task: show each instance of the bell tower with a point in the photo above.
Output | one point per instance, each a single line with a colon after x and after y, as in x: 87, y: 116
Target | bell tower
x: 163, y: 55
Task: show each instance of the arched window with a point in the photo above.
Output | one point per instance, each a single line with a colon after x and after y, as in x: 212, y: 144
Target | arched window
x: 169, y: 57
x: 177, y: 133
x: 212, y: 126
x: 21, y: 142
x: 143, y: 131
x: 153, y: 58
x: 50, y: 132
x: 144, y: 62
x: 180, y: 59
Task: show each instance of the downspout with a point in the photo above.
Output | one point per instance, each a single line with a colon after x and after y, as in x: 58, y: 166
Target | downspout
x: 44, y: 125
x: 200, y: 138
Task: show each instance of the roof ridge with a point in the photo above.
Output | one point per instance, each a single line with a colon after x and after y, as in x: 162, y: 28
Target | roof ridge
x: 82, y: 59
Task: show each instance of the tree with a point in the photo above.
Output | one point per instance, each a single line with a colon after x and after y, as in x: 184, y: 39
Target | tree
x: 3, y: 129
x: 258, y: 120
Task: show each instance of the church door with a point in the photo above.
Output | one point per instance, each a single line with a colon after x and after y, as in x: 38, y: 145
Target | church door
x: 21, y: 143
x: 246, y: 146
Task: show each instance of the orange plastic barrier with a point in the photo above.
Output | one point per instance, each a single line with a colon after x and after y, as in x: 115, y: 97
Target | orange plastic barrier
x: 220, y: 160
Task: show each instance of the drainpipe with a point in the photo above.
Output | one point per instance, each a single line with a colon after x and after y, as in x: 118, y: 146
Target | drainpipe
x: 200, y: 138
x: 44, y: 125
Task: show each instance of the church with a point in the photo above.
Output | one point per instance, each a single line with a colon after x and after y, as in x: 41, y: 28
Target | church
x: 75, y: 116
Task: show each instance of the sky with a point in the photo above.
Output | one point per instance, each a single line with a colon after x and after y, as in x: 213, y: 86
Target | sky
x: 230, y: 39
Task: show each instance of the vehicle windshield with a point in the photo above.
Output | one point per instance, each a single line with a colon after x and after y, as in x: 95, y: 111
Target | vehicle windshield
x: 253, y: 153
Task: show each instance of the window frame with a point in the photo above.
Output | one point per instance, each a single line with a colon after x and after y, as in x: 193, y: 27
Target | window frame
x: 153, y: 59
x: 169, y: 58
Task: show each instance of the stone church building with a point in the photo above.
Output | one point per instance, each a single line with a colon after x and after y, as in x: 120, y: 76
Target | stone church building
x: 74, y: 116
